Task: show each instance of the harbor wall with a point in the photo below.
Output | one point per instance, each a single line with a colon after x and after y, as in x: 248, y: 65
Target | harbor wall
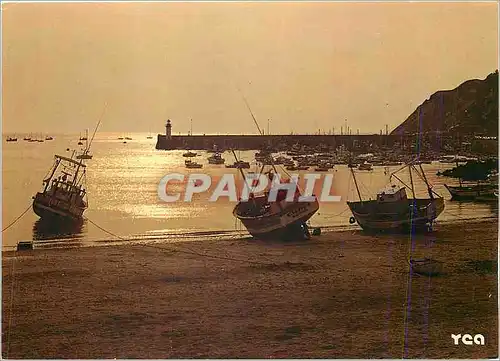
x: 360, y: 143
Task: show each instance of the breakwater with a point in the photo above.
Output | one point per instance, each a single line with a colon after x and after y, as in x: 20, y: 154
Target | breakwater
x: 410, y: 143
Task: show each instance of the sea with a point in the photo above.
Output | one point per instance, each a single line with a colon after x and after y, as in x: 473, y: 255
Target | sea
x: 124, y: 207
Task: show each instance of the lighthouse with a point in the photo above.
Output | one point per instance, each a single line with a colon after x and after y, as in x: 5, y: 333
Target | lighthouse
x: 168, y: 130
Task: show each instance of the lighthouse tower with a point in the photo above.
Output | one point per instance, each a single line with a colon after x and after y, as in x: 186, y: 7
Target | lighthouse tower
x: 168, y: 129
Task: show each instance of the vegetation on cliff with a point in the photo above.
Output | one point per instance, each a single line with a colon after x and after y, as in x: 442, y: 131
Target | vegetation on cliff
x: 473, y: 170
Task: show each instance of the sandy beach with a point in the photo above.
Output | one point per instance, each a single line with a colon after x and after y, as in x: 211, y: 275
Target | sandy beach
x: 338, y: 295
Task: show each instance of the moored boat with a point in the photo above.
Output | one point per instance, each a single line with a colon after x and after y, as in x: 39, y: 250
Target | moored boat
x: 479, y: 191
x: 239, y: 164
x: 280, y: 219
x: 192, y: 165
x: 392, y: 210
x: 63, y: 195
x: 216, y: 158
x: 189, y: 154
x: 365, y: 166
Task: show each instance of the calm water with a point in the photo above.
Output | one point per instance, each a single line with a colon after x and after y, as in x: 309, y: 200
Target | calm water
x: 122, y: 181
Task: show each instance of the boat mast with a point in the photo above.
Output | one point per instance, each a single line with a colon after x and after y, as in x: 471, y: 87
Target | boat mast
x: 411, y: 181
x: 429, y: 190
x: 52, y: 174
x: 96, y: 127
x: 356, y: 184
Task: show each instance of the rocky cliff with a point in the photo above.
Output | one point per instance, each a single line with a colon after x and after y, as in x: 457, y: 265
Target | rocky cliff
x: 469, y: 109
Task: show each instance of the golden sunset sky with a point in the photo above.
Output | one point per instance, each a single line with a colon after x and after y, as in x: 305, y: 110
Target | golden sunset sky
x: 306, y: 66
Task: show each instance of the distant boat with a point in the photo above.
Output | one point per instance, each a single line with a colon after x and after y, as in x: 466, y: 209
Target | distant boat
x: 128, y: 138
x: 11, y: 139
x: 49, y: 138
x: 239, y: 164
x: 120, y: 138
x: 216, y: 158
x: 149, y: 137
x: 84, y: 156
x: 365, y: 166
x: 393, y: 210
x: 189, y: 154
x: 190, y: 164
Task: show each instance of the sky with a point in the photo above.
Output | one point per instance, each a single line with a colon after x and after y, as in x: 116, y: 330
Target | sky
x: 303, y: 66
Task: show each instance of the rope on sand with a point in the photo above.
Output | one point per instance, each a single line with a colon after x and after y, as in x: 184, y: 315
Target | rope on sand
x: 18, y: 218
x: 175, y: 249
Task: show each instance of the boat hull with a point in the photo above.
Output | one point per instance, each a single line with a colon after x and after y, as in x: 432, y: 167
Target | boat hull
x: 475, y: 192
x: 403, y: 216
x: 285, y: 224
x: 51, y: 208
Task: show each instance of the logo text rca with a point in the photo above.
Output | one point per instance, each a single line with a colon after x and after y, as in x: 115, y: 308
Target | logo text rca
x: 273, y: 185
x: 467, y: 339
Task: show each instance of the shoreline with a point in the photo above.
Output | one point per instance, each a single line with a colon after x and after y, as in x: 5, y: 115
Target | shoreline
x: 245, y: 236
x: 338, y: 295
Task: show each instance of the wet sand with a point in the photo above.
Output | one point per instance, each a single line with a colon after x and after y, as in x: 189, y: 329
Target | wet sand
x: 339, y: 295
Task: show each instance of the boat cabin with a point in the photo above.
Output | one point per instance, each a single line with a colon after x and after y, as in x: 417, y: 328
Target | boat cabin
x: 391, y: 194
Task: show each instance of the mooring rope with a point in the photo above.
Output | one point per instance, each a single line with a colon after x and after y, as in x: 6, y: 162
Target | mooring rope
x: 18, y: 218
x: 192, y: 252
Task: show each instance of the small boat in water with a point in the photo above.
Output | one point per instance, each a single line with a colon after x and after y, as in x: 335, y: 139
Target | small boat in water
x: 239, y: 164
x: 392, y: 210
x: 189, y: 154
x: 365, y: 166
x: 216, y: 158
x: 11, y: 139
x: 192, y: 165
x: 479, y: 191
x: 49, y: 138
x: 63, y: 194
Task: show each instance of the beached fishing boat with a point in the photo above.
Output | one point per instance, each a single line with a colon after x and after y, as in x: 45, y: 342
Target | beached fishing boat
x: 63, y: 194
x: 392, y: 210
x: 216, y: 158
x: 279, y: 219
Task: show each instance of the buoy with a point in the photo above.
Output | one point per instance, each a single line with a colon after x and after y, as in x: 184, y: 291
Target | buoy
x: 316, y: 231
x: 24, y: 245
x: 352, y: 220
